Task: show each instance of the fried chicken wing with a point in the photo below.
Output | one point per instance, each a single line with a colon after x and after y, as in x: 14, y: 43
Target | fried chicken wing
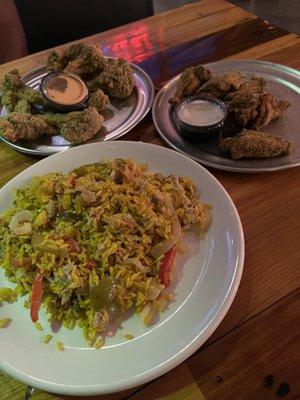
x: 117, y: 79
x: 242, y: 107
x: 99, y: 100
x: 189, y: 81
x: 24, y: 127
x: 82, y: 59
x: 255, y: 144
x: 220, y: 86
x: 14, y: 90
x: 81, y: 126
x: 255, y: 84
x: 269, y: 108
x: 253, y: 110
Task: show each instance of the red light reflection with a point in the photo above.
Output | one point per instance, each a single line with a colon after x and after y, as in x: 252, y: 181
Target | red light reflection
x: 134, y: 45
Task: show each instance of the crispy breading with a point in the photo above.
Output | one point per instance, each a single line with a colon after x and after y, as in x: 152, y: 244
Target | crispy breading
x: 81, y: 126
x: 255, y: 144
x: 220, y: 86
x: 14, y: 90
x: 255, y: 84
x: 93, y: 84
x: 189, y: 81
x: 24, y: 126
x: 117, y: 79
x: 252, y: 110
x: 269, y: 108
x: 242, y: 107
x: 99, y: 100
x: 85, y: 60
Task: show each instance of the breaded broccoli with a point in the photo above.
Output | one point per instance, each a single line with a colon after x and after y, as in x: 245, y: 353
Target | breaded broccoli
x: 24, y: 126
x: 83, y: 59
x: 81, y: 126
x: 14, y: 90
x: 99, y: 100
x: 117, y: 79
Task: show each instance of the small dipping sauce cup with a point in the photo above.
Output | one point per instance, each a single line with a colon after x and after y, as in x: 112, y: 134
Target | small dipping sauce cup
x: 64, y: 91
x: 200, y: 118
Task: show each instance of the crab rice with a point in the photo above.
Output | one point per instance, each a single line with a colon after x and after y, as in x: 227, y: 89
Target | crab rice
x: 97, y: 241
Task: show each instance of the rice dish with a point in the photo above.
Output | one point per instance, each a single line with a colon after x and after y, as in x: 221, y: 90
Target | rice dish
x: 89, y: 245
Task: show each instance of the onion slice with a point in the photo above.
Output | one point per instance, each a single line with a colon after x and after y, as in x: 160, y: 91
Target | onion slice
x: 162, y: 248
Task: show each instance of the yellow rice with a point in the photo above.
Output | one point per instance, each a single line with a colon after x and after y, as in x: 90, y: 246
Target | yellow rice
x: 101, y: 221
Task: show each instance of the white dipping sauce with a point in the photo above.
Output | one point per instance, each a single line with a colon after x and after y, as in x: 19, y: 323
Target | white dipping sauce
x: 200, y: 113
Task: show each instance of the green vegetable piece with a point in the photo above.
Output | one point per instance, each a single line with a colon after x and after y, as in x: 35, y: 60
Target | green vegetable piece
x: 103, y: 294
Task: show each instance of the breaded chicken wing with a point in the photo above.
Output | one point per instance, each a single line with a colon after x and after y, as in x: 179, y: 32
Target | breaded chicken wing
x: 222, y: 85
x: 255, y: 84
x: 189, y: 81
x: 24, y: 127
x: 255, y: 144
x: 81, y: 126
x: 253, y: 110
x: 242, y: 107
x: 269, y: 108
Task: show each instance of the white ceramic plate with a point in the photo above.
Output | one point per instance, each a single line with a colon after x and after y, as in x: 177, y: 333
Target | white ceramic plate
x: 207, y: 276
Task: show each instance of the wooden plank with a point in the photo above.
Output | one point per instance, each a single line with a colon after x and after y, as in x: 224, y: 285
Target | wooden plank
x: 213, y: 47
x: 178, y: 384
x: 271, y: 227
x: 242, y: 364
x: 12, y: 163
x: 288, y: 56
x: 277, y: 46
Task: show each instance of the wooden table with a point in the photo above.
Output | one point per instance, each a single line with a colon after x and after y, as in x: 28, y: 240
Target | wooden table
x: 255, y: 352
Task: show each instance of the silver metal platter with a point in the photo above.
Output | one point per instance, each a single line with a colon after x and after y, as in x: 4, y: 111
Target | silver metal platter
x: 282, y: 81
x: 120, y: 117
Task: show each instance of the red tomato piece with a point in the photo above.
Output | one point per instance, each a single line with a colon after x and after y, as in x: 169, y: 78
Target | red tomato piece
x: 166, y: 266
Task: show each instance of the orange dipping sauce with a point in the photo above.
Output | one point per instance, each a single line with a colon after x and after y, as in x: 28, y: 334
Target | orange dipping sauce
x: 65, y: 89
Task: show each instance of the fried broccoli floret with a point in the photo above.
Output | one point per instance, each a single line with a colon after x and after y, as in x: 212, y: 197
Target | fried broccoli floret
x: 24, y: 126
x: 81, y: 126
x: 82, y: 59
x: 14, y: 90
x: 23, y: 106
x: 117, y: 79
x: 55, y: 120
x: 99, y: 100
x: 54, y: 62
x: 93, y: 84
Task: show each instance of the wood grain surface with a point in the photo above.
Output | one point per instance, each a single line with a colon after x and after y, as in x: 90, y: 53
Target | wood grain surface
x: 255, y: 352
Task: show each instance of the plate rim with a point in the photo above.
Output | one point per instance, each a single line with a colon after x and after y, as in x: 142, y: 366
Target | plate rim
x: 190, y: 347
x: 214, y: 165
x: 151, y: 95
